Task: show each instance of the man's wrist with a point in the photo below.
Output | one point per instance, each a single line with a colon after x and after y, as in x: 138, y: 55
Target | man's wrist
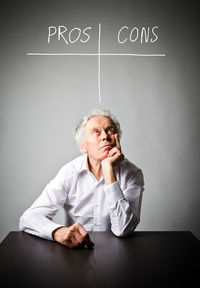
x: 56, y: 232
x: 108, y: 173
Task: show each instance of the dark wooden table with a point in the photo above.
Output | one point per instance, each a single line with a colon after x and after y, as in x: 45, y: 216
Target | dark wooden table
x: 146, y: 259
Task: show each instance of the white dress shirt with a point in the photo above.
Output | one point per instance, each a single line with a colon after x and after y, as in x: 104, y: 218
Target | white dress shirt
x: 92, y: 203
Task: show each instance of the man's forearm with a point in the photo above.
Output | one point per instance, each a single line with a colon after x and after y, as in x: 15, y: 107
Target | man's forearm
x: 108, y: 173
x: 124, y: 214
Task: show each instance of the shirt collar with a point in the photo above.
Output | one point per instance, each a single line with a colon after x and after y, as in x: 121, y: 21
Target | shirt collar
x: 85, y: 166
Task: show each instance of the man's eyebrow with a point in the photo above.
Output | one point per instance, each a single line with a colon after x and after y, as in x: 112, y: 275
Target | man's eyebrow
x: 92, y: 129
x: 110, y: 126
x: 98, y: 128
x: 95, y: 128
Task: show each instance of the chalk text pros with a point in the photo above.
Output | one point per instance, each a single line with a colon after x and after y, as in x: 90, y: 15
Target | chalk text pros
x: 69, y: 36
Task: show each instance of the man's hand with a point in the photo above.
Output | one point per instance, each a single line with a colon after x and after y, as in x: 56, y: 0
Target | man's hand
x: 73, y: 237
x: 115, y: 156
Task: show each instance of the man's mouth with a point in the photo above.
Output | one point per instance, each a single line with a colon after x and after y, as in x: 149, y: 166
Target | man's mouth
x: 107, y: 146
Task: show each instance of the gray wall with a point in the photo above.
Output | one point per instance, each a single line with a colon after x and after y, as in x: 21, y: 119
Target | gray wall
x: 156, y: 99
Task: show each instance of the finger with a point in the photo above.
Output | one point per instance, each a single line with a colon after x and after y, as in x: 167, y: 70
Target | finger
x: 115, y: 156
x: 74, y: 241
x: 69, y: 238
x: 117, y: 142
x: 86, y: 236
x: 76, y: 237
x: 119, y: 159
x: 68, y: 244
x: 67, y: 235
x: 89, y: 242
x: 79, y: 237
x: 82, y: 230
x: 113, y: 151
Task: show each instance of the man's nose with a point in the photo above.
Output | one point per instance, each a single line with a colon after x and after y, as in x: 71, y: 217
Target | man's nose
x: 104, y: 135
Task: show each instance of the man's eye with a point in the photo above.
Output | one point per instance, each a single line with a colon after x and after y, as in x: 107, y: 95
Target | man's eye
x: 111, y: 130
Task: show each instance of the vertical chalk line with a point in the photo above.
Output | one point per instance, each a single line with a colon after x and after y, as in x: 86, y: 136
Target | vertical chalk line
x: 99, y: 63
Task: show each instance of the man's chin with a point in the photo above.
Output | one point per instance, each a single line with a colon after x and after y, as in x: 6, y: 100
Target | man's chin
x: 105, y: 155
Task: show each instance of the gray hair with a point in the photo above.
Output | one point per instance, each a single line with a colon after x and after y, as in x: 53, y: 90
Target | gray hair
x: 78, y: 129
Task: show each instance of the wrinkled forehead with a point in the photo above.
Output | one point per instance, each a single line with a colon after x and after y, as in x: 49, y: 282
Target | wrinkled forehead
x: 99, y: 122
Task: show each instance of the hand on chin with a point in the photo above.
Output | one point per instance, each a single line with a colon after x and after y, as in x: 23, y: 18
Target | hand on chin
x: 105, y: 154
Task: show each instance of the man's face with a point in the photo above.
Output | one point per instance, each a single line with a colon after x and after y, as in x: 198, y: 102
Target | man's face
x: 99, y: 138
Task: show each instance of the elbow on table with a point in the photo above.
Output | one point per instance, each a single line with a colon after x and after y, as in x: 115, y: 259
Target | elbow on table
x: 22, y: 222
x: 127, y: 230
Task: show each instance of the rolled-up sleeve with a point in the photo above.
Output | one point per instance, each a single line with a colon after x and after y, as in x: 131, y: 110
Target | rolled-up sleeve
x: 125, y: 205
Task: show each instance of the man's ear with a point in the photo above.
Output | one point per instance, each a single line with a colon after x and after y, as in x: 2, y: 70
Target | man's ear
x: 84, y: 148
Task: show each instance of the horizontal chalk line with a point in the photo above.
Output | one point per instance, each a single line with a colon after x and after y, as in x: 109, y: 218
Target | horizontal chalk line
x: 95, y: 54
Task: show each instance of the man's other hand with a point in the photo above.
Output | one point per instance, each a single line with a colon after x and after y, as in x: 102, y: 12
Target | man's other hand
x: 73, y: 237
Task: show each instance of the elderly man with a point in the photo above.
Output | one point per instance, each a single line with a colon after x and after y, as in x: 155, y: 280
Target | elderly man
x: 99, y: 191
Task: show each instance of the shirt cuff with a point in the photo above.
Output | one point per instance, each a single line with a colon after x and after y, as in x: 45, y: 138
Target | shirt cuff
x: 48, y: 229
x: 113, y: 192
